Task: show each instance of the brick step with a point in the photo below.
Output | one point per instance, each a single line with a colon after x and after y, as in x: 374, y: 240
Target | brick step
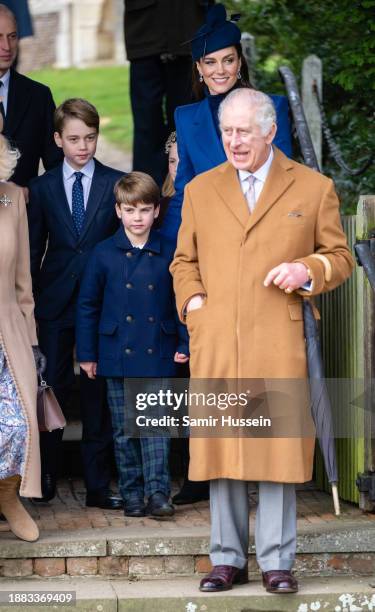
x: 182, y: 595
x: 139, y: 553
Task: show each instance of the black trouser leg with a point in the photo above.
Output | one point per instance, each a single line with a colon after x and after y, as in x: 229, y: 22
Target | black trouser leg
x: 97, y: 444
x: 56, y: 342
x: 156, y: 89
x: 150, y: 130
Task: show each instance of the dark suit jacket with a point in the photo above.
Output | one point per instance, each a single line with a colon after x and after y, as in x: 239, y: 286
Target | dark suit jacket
x: 126, y: 314
x: 56, y: 278
x: 153, y: 27
x: 29, y: 127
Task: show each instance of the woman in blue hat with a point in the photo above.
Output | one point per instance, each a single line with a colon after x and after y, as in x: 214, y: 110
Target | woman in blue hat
x: 219, y: 66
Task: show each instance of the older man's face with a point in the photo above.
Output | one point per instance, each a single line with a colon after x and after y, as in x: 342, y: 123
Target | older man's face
x: 245, y: 146
x: 8, y: 43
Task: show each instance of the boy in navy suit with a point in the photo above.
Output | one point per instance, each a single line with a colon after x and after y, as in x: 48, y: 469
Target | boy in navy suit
x: 127, y: 327
x: 71, y: 209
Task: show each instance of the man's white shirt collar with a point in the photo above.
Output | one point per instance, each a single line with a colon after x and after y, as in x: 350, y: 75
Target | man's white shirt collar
x: 260, y: 174
x: 87, y: 170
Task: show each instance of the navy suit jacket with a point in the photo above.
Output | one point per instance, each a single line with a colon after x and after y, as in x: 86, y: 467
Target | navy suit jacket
x: 126, y: 314
x: 58, y: 256
x: 29, y: 126
x: 200, y: 149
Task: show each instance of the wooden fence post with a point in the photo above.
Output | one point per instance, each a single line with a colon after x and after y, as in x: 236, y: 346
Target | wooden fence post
x: 312, y: 74
x: 249, y: 51
x: 365, y: 227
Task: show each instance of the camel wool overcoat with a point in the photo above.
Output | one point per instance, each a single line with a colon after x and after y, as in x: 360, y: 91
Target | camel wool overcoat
x: 17, y: 324
x: 245, y: 330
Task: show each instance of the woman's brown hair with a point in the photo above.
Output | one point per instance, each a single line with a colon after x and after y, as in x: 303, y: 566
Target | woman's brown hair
x: 198, y: 87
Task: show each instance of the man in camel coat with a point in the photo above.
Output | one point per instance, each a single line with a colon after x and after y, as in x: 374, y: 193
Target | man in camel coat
x: 258, y: 233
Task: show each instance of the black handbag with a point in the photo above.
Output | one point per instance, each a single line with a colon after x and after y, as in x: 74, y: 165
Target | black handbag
x: 49, y: 414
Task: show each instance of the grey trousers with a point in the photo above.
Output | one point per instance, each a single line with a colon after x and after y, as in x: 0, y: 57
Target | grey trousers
x: 275, y: 525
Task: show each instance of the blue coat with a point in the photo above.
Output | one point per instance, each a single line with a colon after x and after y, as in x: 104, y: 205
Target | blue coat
x: 126, y: 314
x: 22, y: 13
x: 200, y: 149
x: 58, y: 256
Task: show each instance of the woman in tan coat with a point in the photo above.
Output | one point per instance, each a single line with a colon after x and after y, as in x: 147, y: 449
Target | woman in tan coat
x: 19, y: 437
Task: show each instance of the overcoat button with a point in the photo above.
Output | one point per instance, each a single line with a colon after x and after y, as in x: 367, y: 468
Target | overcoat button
x: 151, y: 287
x: 129, y: 286
x: 129, y: 254
x: 150, y: 351
x: 128, y: 351
x: 129, y: 318
x: 151, y: 319
x: 150, y: 254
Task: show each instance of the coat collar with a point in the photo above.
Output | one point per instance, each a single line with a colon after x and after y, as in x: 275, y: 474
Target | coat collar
x: 278, y: 181
x: 122, y: 241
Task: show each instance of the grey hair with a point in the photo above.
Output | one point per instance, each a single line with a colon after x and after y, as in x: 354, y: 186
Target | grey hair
x: 4, y: 10
x: 8, y: 159
x: 265, y: 113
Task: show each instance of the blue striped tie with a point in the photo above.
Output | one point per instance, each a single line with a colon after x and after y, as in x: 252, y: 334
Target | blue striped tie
x: 78, y: 203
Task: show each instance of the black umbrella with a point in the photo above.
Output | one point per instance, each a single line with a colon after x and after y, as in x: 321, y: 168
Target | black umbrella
x: 319, y: 399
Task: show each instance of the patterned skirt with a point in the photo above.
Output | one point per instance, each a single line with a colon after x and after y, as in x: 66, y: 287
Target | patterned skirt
x: 13, y: 426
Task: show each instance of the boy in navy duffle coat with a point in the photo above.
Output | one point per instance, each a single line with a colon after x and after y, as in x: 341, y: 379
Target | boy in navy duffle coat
x: 127, y: 327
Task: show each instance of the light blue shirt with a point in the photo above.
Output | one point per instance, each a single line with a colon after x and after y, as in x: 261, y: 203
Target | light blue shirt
x: 4, y: 90
x: 69, y: 179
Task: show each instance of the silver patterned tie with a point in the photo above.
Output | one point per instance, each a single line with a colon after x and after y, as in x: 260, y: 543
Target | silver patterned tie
x: 250, y: 193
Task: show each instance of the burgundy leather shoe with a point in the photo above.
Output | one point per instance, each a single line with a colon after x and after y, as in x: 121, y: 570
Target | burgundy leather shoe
x: 222, y: 577
x: 279, y: 581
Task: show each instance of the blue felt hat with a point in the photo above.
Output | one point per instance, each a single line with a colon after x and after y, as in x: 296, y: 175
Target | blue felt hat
x: 216, y: 33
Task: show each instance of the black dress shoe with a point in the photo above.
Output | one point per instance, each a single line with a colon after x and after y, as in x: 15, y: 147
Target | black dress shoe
x: 105, y: 500
x: 48, y: 489
x: 191, y: 493
x: 159, y: 505
x: 136, y: 509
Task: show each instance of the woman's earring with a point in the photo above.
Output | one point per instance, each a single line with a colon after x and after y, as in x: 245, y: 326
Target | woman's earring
x: 239, y: 75
x: 201, y: 78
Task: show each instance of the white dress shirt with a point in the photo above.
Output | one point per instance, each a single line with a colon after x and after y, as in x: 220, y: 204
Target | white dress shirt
x: 260, y: 177
x: 4, y: 90
x: 69, y: 179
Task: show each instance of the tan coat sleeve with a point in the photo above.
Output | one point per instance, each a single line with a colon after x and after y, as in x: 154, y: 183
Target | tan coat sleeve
x: 23, y: 277
x: 332, y: 262
x: 185, y: 267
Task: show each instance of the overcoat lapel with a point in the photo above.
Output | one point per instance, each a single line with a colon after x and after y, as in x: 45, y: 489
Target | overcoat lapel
x: 18, y: 103
x: 278, y: 181
x: 58, y: 195
x: 210, y: 145
x: 97, y: 190
x: 229, y: 189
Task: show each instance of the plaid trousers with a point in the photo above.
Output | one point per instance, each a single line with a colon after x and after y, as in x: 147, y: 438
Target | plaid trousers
x: 142, y: 463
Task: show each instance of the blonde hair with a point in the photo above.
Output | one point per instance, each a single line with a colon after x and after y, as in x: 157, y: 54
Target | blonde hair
x: 8, y: 158
x: 137, y: 187
x: 168, y: 190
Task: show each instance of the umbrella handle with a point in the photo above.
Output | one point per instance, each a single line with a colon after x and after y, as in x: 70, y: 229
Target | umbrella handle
x: 336, y: 501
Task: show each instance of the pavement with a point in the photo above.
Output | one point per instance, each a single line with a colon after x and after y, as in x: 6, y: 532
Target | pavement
x: 68, y: 512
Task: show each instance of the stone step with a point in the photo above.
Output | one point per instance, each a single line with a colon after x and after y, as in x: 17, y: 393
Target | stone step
x: 182, y: 595
x: 345, y: 549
